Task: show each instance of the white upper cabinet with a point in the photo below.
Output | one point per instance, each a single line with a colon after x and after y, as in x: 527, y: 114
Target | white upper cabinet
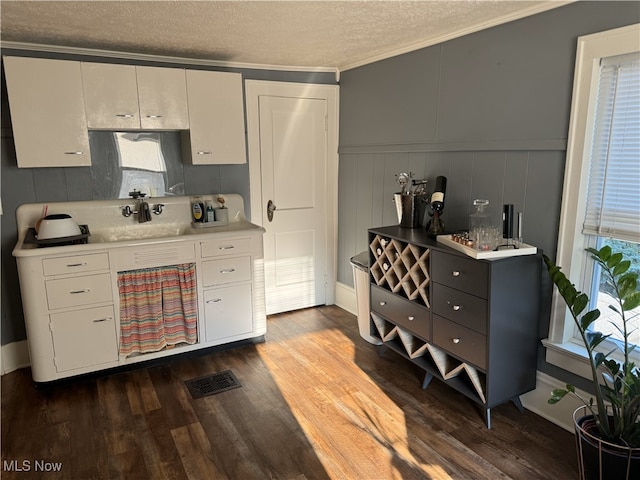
x: 111, y: 96
x: 162, y: 95
x: 47, y: 112
x: 132, y: 97
x: 216, y: 118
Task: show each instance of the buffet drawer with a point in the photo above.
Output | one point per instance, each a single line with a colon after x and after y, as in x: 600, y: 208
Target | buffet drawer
x: 460, y: 341
x: 461, y: 273
x: 404, y: 313
x: 76, y: 291
x: 462, y: 308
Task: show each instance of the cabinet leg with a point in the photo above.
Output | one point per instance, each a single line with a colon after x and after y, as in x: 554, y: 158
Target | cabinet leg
x: 487, y: 417
x: 427, y: 380
x: 516, y: 401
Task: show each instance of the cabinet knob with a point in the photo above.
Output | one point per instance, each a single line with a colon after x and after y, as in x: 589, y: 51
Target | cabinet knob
x: 456, y: 341
x: 382, y: 304
x: 455, y: 273
x: 456, y: 308
x: 411, y: 318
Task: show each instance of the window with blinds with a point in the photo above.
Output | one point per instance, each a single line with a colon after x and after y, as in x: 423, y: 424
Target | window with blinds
x: 613, y: 196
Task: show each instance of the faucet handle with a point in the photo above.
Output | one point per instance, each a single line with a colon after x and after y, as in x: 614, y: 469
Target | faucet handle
x: 157, y: 208
x: 137, y: 194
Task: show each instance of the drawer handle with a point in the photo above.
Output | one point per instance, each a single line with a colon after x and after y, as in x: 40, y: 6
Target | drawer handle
x: 82, y: 264
x: 455, y: 273
x: 226, y: 247
x: 214, y: 300
x: 382, y: 304
x: 204, y: 153
x: 228, y: 270
x: 124, y: 115
x: 456, y: 308
x: 411, y: 318
x: 98, y: 320
x: 456, y: 340
x: 74, y: 292
x: 154, y: 116
x: 73, y: 153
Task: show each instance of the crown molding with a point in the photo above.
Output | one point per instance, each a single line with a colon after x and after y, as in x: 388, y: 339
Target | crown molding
x: 41, y: 48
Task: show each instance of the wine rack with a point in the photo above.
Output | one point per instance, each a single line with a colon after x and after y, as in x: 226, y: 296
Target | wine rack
x: 401, y: 268
x: 432, y: 359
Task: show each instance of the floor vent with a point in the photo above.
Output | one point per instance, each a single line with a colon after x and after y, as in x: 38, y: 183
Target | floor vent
x: 212, y: 384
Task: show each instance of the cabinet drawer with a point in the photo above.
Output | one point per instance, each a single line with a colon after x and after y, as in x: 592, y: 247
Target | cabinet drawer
x: 226, y: 270
x: 462, y: 308
x: 76, y: 291
x: 75, y: 264
x: 403, y: 313
x: 225, y: 246
x: 83, y: 338
x: 466, y: 274
x: 460, y: 341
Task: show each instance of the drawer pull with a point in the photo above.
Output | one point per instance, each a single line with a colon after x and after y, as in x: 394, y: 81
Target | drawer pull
x: 411, y: 318
x: 214, y: 300
x: 82, y: 264
x: 98, y: 320
x: 455, y: 273
x: 456, y: 341
x: 382, y: 304
x: 203, y: 152
x: 226, y: 247
x: 124, y: 115
x: 154, y: 116
x: 456, y: 308
x: 228, y: 270
x: 74, y: 292
x: 73, y: 153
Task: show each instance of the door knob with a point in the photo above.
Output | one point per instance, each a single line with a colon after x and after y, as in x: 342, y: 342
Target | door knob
x: 271, y: 207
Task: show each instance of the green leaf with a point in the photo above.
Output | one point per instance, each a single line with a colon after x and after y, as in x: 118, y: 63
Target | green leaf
x: 580, y: 303
x: 631, y: 301
x: 604, y: 253
x: 621, y: 267
x: 588, y: 318
x: 557, y: 395
x: 614, y: 260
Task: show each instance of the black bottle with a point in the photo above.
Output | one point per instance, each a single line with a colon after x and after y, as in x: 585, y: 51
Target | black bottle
x: 435, y: 226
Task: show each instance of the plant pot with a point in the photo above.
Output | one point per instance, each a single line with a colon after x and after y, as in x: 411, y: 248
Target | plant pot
x: 599, y: 459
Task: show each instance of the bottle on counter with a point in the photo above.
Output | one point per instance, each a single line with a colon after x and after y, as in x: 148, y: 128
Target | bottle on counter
x: 209, y: 212
x: 197, y: 209
x: 435, y: 226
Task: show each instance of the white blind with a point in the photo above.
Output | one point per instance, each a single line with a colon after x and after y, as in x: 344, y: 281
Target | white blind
x: 613, y: 198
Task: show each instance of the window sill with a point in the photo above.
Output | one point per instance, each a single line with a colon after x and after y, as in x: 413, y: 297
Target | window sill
x: 568, y: 356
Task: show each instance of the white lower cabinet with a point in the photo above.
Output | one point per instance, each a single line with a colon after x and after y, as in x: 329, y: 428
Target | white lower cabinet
x: 227, y: 312
x: 84, y: 338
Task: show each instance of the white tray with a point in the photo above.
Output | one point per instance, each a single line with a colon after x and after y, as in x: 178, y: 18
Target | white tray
x: 488, y: 254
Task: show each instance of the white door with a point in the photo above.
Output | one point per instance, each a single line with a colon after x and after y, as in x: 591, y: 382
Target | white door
x: 291, y: 144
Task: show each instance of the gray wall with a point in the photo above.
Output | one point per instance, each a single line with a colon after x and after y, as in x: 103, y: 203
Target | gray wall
x: 489, y: 110
x: 36, y: 185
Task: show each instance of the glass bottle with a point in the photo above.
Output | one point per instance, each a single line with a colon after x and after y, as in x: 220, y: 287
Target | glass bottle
x: 481, y: 230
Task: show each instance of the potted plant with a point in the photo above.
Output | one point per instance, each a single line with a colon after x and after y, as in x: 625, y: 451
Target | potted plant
x: 607, y: 430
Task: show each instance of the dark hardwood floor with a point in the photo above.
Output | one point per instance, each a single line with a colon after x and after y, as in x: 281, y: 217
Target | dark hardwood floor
x: 316, y: 402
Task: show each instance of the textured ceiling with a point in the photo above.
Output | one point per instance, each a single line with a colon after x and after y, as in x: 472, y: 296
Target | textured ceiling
x: 332, y: 34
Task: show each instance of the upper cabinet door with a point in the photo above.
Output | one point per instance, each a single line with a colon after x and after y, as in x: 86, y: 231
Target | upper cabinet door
x: 162, y: 95
x: 216, y: 117
x: 47, y: 112
x: 111, y: 96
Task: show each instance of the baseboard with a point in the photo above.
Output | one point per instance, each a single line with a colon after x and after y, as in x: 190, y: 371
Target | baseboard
x: 14, y: 356
x: 346, y: 298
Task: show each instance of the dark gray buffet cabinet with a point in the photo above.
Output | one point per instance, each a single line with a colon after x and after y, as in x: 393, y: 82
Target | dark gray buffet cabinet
x: 471, y: 323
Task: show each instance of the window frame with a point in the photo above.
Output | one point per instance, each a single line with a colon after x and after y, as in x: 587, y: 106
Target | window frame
x: 561, y: 350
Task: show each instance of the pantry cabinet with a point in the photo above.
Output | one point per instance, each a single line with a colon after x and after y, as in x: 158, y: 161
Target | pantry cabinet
x: 135, y: 97
x: 216, y: 118
x: 47, y: 112
x: 470, y: 323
